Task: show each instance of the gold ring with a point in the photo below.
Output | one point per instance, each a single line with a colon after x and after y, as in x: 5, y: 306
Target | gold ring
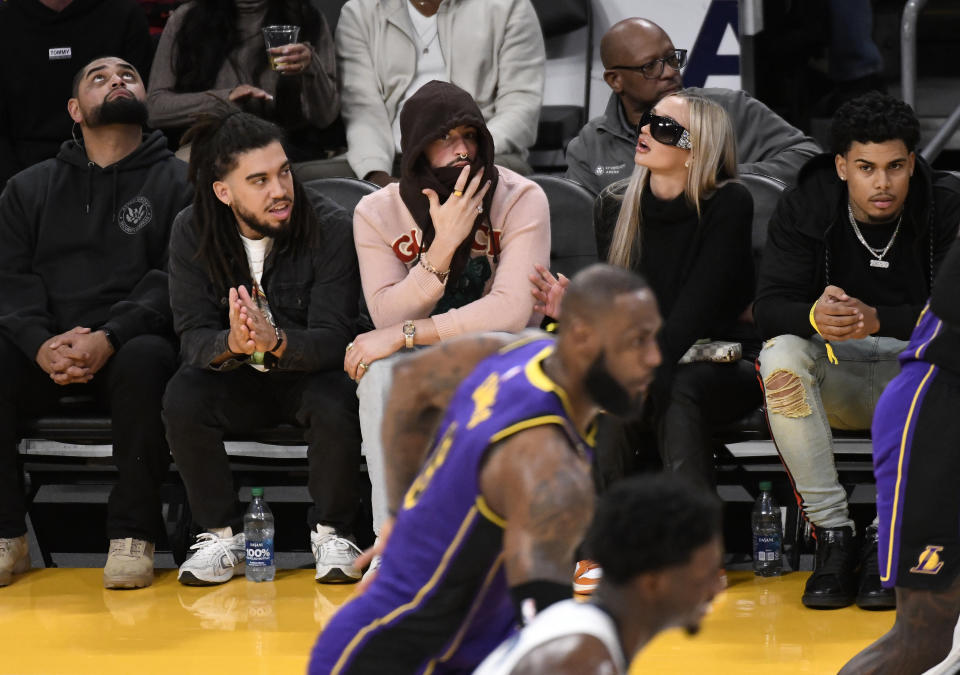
x: 362, y: 365
x: 349, y: 346
x: 458, y: 193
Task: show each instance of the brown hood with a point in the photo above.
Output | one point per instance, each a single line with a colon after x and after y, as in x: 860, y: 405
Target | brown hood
x: 431, y: 112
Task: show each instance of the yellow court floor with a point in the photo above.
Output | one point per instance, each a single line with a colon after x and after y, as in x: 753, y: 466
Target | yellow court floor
x: 63, y: 621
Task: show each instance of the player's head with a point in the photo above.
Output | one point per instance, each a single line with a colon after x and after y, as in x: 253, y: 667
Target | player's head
x: 658, y: 538
x: 608, y: 336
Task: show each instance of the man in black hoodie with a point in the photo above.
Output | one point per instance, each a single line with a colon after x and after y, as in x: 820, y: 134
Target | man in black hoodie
x: 85, y: 308
x: 42, y: 45
x: 851, y: 256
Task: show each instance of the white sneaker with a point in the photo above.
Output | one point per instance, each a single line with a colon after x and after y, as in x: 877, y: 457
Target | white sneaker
x: 374, y: 566
x: 334, y: 556
x: 216, y: 561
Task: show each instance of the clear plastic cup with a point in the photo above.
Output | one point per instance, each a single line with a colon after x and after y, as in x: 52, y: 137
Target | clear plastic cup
x: 279, y: 36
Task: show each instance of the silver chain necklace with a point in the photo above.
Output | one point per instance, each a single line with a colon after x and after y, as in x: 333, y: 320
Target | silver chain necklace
x: 877, y: 253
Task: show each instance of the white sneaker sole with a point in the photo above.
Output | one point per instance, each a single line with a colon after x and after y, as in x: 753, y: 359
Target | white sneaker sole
x: 337, y: 574
x: 188, y: 578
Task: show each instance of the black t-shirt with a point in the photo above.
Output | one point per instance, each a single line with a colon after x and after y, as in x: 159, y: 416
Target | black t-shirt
x: 898, y: 284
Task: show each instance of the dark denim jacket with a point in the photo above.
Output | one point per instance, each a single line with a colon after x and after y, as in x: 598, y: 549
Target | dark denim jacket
x: 313, y: 295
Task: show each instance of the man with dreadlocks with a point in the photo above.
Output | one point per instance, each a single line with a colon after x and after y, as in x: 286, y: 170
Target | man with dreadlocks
x: 264, y: 290
x: 445, y: 252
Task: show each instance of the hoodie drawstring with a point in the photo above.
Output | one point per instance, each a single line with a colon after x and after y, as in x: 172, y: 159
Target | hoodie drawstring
x: 90, y: 166
x: 113, y: 211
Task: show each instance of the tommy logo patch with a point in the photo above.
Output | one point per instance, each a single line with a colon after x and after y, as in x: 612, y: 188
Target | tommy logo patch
x: 135, y: 215
x: 929, y: 562
x: 60, y: 53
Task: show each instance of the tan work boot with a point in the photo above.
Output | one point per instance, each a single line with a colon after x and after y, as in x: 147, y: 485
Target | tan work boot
x: 129, y: 564
x: 14, y: 558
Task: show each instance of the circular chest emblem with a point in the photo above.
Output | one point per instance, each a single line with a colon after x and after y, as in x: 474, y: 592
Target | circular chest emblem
x: 135, y: 215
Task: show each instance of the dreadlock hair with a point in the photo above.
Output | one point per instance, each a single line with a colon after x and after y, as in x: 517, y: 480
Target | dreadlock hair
x: 217, y: 142
x: 208, y: 34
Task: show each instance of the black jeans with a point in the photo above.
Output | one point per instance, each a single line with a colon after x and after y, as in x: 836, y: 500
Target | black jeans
x: 701, y: 397
x: 201, y: 405
x: 130, y: 386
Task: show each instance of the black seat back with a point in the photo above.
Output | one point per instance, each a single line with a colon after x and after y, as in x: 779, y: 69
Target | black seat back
x: 573, y: 245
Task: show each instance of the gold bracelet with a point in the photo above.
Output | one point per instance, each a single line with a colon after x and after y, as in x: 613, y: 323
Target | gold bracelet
x: 442, y: 276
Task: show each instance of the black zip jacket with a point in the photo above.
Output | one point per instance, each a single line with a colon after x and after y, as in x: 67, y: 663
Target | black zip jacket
x: 314, y: 295
x: 807, y: 225
x: 87, y: 246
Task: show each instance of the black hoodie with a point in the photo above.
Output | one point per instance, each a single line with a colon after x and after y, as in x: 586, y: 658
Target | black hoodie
x: 810, y: 246
x: 82, y: 245
x: 41, y: 50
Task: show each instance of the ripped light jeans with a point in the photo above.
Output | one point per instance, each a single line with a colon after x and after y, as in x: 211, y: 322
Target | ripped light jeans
x: 806, y: 396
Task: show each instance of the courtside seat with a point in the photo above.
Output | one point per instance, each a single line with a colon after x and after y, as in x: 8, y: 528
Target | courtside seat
x: 573, y: 245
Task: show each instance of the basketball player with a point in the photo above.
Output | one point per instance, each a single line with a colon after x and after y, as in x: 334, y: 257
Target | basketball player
x: 659, y: 542
x: 916, y: 461
x: 504, y: 497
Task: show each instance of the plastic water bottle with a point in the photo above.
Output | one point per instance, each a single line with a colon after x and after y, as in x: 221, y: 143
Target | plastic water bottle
x: 767, y: 534
x: 258, y: 533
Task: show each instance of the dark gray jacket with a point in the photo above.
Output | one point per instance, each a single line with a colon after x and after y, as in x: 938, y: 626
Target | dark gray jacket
x: 766, y: 143
x: 314, y: 295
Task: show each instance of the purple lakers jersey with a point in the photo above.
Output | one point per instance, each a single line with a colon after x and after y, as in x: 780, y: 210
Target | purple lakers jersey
x: 440, y: 602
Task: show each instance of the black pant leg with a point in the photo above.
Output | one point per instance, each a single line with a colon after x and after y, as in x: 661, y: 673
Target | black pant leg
x: 24, y: 389
x: 132, y: 385
x: 198, y: 407
x: 328, y: 411
x: 703, y: 396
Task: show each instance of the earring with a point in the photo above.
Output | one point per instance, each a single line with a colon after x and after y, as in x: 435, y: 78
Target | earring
x: 687, y: 164
x: 843, y: 178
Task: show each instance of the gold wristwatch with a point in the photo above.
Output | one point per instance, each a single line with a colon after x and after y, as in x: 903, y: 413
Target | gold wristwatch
x: 409, y: 330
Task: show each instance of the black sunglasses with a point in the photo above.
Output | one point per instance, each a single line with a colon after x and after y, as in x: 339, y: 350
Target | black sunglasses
x: 665, y: 130
x: 654, y: 69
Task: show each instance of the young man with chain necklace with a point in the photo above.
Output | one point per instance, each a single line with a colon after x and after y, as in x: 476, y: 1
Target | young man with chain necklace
x: 851, y: 255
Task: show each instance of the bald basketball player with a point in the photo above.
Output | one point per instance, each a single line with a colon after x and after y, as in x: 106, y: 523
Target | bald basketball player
x: 496, y: 510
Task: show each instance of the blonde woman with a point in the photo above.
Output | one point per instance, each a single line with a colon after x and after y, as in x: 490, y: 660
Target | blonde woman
x: 683, y: 222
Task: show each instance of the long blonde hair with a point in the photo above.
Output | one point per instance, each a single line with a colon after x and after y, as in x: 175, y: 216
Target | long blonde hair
x: 713, y: 162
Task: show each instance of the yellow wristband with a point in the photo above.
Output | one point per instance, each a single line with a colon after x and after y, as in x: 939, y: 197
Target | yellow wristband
x: 831, y: 357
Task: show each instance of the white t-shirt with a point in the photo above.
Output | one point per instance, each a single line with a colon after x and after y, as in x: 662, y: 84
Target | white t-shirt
x: 430, y: 63
x: 562, y: 619
x: 257, y: 251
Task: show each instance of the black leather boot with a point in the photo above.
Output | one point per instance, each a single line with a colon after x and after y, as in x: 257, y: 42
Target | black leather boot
x: 833, y: 583
x: 872, y: 595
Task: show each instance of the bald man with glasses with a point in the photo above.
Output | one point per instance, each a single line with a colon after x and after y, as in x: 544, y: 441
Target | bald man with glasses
x: 641, y: 66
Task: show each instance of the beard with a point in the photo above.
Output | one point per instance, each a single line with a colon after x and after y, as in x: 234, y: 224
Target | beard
x: 121, y: 110
x: 606, y: 392
x: 259, y: 225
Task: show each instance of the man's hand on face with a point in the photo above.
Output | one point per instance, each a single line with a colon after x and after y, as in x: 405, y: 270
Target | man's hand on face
x: 262, y: 333
x: 841, y: 317
x: 453, y: 220
x: 239, y: 340
x: 75, y: 356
